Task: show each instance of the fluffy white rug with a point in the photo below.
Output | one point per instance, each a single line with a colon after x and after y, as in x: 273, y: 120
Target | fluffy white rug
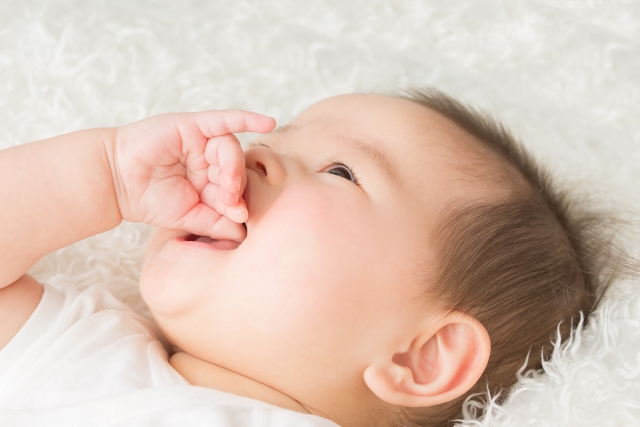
x: 564, y: 75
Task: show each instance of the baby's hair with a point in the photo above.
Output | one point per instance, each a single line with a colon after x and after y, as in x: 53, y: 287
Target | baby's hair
x: 525, y: 265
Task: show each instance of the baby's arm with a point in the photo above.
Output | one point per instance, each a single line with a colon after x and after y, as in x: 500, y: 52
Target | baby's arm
x: 183, y: 171
x: 53, y: 193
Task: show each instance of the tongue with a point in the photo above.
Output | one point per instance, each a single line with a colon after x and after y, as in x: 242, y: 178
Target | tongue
x: 219, y: 244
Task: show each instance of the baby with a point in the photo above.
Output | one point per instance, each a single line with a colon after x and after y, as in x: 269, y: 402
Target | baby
x: 372, y: 263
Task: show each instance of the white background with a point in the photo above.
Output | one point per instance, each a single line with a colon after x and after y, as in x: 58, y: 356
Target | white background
x: 563, y: 75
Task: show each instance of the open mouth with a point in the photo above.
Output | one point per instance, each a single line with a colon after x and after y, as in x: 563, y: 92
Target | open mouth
x: 221, y: 244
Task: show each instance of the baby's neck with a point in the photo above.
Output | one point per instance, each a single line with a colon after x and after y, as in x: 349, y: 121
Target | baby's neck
x: 204, y: 374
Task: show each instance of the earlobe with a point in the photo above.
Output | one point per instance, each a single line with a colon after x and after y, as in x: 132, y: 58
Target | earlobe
x: 438, y: 367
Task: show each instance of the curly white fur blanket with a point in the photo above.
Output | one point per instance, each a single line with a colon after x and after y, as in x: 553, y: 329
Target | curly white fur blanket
x: 564, y: 75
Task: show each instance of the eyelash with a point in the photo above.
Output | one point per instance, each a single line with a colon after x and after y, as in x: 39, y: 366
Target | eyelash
x: 332, y: 162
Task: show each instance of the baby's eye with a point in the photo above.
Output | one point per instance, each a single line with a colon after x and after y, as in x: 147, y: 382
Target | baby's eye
x: 343, y: 171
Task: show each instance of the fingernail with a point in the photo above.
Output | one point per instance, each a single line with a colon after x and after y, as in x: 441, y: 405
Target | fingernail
x: 234, y: 184
x: 238, y: 182
x: 231, y: 197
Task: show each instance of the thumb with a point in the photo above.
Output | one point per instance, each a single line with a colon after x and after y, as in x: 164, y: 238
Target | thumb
x: 205, y: 221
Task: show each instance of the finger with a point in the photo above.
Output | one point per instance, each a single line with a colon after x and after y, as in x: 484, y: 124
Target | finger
x: 237, y: 212
x: 232, y: 164
x: 226, y: 155
x: 216, y: 123
x: 229, y: 199
x: 213, y: 173
x: 229, y: 230
x: 204, y: 221
x: 226, y: 198
x: 211, y: 149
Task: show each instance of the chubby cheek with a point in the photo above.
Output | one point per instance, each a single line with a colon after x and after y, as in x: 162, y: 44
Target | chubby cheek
x: 304, y: 279
x: 311, y: 265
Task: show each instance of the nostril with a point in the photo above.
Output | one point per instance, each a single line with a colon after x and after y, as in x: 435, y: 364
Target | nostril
x: 262, y: 168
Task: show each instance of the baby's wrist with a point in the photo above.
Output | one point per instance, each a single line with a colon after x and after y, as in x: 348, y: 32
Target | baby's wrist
x: 109, y: 138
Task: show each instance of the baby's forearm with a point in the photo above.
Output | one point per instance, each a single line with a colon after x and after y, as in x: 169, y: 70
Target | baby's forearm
x: 53, y: 193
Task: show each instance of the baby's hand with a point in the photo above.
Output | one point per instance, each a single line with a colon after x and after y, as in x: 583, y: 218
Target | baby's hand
x: 185, y: 171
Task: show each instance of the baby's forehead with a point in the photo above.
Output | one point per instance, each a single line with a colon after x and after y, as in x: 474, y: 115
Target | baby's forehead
x: 399, y: 124
x: 419, y: 142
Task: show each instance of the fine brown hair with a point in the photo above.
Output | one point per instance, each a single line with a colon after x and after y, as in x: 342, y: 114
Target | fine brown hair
x: 526, y: 265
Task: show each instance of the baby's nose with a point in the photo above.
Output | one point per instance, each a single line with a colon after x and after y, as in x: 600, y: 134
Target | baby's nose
x: 267, y: 163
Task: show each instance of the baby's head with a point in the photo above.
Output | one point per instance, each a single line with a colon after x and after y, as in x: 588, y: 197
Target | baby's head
x: 401, y: 253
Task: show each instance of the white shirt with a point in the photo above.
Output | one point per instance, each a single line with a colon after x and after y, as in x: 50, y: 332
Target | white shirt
x: 84, y: 358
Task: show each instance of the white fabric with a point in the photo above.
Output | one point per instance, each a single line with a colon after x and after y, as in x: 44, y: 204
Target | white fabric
x: 564, y: 75
x: 85, y: 358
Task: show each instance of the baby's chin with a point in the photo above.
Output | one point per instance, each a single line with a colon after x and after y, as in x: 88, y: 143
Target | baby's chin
x: 174, y: 349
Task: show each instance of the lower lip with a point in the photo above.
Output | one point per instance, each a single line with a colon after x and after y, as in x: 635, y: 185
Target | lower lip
x: 227, y: 246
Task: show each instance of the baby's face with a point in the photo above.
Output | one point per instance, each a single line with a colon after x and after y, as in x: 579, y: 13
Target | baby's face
x: 329, y: 270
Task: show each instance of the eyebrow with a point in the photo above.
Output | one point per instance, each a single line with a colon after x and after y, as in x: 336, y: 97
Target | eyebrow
x: 369, y: 151
x: 377, y: 156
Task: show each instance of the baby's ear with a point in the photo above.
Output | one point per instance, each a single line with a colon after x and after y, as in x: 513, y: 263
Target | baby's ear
x: 442, y: 363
